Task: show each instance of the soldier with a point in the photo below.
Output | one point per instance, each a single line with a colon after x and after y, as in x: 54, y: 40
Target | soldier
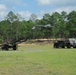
x: 14, y: 46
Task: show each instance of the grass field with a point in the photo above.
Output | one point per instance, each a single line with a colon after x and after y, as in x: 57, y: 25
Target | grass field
x: 33, y: 59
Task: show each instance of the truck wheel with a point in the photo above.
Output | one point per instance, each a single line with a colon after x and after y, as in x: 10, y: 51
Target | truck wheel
x: 63, y: 46
x: 74, y: 46
x: 68, y: 47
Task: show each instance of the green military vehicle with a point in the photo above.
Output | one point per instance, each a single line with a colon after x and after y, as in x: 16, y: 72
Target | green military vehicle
x: 68, y: 43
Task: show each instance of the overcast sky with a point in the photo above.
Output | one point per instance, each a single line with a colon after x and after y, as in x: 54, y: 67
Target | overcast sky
x: 39, y: 7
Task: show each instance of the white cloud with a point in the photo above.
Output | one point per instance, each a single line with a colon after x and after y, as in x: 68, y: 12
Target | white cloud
x: 57, y: 2
x: 54, y: 5
x: 3, y: 12
x: 44, y: 2
x: 40, y: 14
x: 25, y: 14
x: 13, y: 2
x: 57, y: 6
x: 24, y: 4
x: 2, y: 7
x: 67, y: 9
x: 2, y: 15
x: 59, y: 10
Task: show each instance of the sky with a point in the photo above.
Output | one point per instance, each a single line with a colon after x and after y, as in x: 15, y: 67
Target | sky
x: 39, y: 7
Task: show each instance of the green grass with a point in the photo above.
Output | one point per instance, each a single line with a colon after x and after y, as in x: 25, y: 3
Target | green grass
x: 38, y: 60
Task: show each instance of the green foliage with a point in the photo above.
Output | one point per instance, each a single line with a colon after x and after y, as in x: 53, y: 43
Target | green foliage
x: 15, y: 27
x: 33, y: 17
x: 11, y: 17
x: 72, y: 23
x: 1, y: 39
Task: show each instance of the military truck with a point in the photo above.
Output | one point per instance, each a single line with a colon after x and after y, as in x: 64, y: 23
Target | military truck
x: 9, y: 46
x: 68, y: 43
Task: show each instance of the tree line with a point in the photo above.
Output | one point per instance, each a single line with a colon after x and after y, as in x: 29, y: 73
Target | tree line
x: 14, y: 27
